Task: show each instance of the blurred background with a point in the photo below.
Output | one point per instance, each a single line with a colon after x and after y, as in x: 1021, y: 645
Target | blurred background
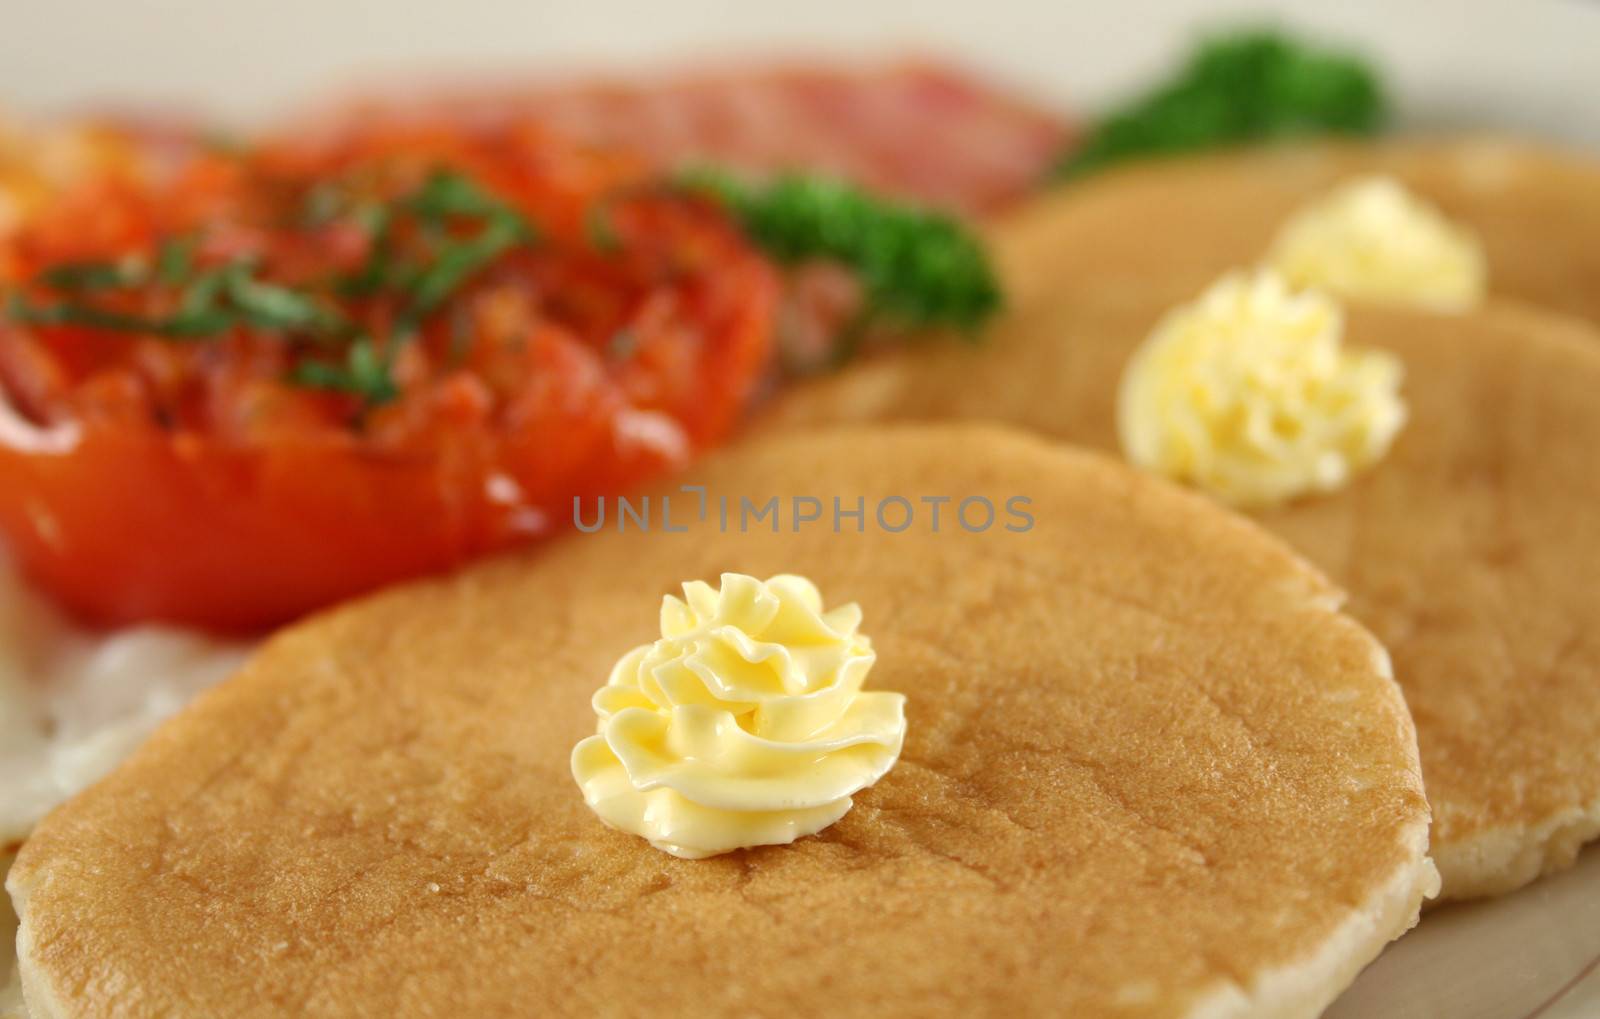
x: 1528, y: 63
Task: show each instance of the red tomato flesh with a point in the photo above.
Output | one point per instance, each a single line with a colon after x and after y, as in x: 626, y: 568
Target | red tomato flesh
x: 200, y: 480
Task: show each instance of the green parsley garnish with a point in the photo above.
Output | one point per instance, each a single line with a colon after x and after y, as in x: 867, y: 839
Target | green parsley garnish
x: 918, y: 268
x: 210, y: 303
x: 1233, y: 89
x: 599, y: 230
x: 272, y: 307
x: 175, y: 260
x: 446, y: 193
x: 365, y: 373
x: 80, y: 277
x: 455, y: 261
x: 460, y: 230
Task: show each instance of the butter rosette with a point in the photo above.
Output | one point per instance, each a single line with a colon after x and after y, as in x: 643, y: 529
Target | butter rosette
x: 1249, y: 393
x: 1371, y: 238
x: 745, y: 725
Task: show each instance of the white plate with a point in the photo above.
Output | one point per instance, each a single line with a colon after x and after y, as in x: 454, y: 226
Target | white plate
x: 1528, y: 63
x: 1532, y: 65
x: 1534, y: 953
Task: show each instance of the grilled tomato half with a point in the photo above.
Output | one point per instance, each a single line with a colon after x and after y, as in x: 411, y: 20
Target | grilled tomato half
x: 236, y: 386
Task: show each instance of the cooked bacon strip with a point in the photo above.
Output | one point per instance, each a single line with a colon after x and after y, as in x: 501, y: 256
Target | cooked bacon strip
x: 916, y: 130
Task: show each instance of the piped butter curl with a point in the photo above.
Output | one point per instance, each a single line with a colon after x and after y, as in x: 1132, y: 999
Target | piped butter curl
x: 1372, y: 239
x: 1249, y: 393
x: 745, y: 724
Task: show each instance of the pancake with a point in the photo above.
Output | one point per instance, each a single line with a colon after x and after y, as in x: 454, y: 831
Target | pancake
x: 1535, y: 208
x: 1150, y: 771
x: 1470, y: 550
x: 11, y: 1006
x: 73, y: 704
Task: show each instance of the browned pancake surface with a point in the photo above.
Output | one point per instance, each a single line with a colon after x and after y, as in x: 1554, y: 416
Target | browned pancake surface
x: 1148, y: 766
x: 1536, y: 209
x: 1471, y: 550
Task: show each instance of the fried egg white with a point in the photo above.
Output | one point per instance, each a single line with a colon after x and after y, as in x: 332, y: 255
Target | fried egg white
x: 74, y: 703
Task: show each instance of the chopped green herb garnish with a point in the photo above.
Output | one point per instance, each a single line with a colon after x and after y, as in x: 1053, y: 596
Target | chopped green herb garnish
x: 200, y: 323
x: 374, y: 218
x: 1238, y: 88
x: 444, y: 197
x: 456, y: 230
x: 323, y: 204
x: 599, y: 230
x: 270, y: 306
x: 175, y: 260
x: 453, y: 263
x: 87, y: 276
x: 202, y: 310
x: 20, y: 309
x: 377, y: 273
x: 365, y: 373
x: 918, y: 268
x: 448, y: 193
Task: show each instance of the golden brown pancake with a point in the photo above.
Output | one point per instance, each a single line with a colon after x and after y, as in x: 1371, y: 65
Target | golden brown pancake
x: 1184, y: 222
x: 1471, y: 550
x: 10, y: 984
x: 1150, y: 771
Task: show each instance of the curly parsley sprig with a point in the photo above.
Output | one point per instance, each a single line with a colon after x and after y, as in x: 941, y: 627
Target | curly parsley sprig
x: 917, y: 267
x: 1241, y: 87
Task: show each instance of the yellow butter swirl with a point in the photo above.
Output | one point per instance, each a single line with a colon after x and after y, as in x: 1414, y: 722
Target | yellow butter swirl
x: 1248, y: 393
x: 746, y: 724
x: 1373, y: 239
